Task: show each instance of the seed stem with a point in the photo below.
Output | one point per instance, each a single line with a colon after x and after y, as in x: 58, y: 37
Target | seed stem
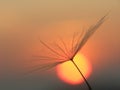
x: 89, y: 87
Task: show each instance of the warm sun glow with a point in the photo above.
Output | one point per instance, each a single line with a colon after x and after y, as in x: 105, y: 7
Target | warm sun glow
x: 68, y: 73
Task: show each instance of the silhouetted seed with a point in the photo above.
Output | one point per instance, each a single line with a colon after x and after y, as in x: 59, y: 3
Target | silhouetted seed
x: 68, y: 55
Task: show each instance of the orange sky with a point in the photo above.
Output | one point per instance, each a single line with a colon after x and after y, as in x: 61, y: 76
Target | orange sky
x: 23, y: 22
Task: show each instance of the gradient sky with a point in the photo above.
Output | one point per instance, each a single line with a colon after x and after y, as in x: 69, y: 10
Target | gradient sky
x: 23, y: 22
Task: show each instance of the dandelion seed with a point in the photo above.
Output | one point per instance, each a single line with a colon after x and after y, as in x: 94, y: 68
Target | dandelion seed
x: 68, y: 55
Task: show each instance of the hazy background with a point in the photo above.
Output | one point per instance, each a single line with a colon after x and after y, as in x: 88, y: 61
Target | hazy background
x: 23, y: 22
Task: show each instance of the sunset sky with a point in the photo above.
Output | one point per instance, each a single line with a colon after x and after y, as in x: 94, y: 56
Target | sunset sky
x: 24, y: 22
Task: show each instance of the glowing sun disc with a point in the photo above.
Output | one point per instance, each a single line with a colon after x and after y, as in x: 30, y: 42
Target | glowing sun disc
x: 68, y: 73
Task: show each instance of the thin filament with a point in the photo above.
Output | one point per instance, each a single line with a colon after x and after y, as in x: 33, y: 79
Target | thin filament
x: 52, y: 49
x: 62, y: 50
x: 89, y: 33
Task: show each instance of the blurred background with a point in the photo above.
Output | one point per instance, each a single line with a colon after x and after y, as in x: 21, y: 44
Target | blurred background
x: 24, y: 22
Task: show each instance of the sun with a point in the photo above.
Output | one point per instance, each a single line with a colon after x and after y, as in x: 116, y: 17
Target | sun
x: 68, y: 73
